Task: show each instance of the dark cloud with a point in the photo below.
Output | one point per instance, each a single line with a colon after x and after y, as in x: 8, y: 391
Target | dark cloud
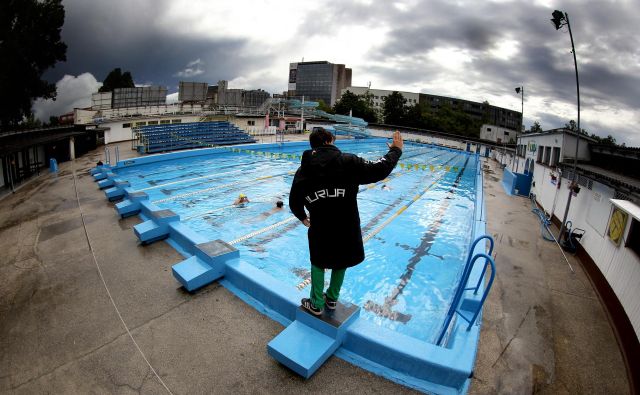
x: 104, y: 35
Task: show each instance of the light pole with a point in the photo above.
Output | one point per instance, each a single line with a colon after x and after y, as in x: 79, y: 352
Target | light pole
x: 520, y: 90
x: 560, y: 19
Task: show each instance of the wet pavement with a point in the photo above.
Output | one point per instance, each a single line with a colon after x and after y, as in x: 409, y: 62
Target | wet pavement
x: 544, y: 330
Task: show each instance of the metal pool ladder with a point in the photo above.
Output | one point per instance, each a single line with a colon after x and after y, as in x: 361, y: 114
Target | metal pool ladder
x: 469, y: 308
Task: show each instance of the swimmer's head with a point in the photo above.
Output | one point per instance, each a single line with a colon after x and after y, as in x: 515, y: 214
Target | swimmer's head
x: 242, y: 195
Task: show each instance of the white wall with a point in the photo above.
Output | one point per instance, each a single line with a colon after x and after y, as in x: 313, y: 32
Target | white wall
x: 243, y: 123
x: 590, y: 210
x: 569, y: 151
x: 117, y: 132
x: 495, y: 133
x: 412, y: 98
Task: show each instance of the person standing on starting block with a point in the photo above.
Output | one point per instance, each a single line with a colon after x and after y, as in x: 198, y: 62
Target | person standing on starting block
x: 326, y: 184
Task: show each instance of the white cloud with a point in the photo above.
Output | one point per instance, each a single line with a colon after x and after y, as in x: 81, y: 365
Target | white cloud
x: 195, y: 67
x: 172, y: 98
x: 73, y: 92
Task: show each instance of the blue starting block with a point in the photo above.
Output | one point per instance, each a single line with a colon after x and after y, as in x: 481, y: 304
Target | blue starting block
x: 309, y: 341
x: 108, y: 181
x: 156, y: 228
x: 207, y: 265
x: 131, y: 205
x: 100, y: 176
x: 117, y: 191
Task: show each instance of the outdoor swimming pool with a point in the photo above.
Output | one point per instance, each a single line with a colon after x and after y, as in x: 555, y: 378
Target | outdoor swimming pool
x: 418, y: 226
x: 417, y: 230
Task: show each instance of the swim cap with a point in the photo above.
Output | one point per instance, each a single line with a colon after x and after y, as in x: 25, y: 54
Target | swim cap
x: 242, y: 195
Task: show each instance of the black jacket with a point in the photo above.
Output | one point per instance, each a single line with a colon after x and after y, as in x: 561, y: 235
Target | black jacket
x: 326, y: 183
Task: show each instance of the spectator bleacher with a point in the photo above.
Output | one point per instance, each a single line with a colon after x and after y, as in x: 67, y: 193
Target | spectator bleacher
x: 177, y: 136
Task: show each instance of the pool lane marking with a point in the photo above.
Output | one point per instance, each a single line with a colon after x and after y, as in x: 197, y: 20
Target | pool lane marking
x: 169, y: 191
x: 188, y: 180
x: 246, y: 166
x: 402, y: 209
x: 386, y: 310
x: 221, y: 186
x: 307, y: 281
x: 284, y: 222
x: 260, y: 231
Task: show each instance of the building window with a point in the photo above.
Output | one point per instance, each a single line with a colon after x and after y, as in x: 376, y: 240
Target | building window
x: 141, y: 123
x: 540, y: 152
x: 555, y: 156
x: 251, y: 123
x: 176, y: 121
x: 488, y: 129
x: 547, y: 155
x: 153, y: 123
x: 126, y: 125
x: 165, y: 121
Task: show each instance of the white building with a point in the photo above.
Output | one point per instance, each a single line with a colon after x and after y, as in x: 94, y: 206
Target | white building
x: 606, y: 207
x: 380, y: 94
x: 498, y: 134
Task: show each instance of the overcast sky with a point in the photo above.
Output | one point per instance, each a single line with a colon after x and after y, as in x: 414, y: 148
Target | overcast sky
x: 475, y: 50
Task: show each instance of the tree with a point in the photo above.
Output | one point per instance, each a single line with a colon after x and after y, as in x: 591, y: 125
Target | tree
x: 322, y: 106
x: 394, y: 110
x: 414, y: 116
x: 573, y: 126
x: 29, y: 45
x: 360, y: 106
x: 117, y: 79
x: 535, y: 128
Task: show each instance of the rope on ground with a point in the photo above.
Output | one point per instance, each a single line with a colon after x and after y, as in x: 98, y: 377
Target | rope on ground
x: 545, y: 227
x: 544, y: 221
x: 104, y: 283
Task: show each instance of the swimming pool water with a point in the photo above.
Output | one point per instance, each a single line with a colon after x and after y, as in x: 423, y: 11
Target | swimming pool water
x: 417, y: 231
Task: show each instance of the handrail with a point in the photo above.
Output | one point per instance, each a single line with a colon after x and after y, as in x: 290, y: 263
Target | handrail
x: 469, y: 265
x: 457, y: 299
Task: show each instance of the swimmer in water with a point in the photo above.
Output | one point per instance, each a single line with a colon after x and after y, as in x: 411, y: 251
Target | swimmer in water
x: 241, y: 201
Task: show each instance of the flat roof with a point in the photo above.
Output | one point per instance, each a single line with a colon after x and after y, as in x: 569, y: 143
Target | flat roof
x: 557, y: 131
x: 611, y: 176
x: 627, y: 206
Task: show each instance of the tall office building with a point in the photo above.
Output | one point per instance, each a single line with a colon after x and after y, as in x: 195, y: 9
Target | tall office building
x: 318, y: 80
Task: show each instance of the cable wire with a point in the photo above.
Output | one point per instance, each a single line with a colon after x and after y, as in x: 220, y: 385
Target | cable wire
x: 95, y: 260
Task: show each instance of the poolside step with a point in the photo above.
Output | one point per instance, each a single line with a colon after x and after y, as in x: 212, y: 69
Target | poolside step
x: 131, y: 205
x: 107, y: 182
x: 156, y: 228
x: 99, y: 176
x: 206, y: 266
x: 309, y: 341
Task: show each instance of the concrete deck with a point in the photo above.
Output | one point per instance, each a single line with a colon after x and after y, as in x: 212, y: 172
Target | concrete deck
x: 544, y: 329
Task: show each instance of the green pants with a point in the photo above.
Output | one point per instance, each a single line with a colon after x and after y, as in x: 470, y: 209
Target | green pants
x: 317, y: 285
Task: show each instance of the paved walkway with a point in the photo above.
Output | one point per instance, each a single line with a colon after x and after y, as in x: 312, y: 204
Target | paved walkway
x: 544, y: 330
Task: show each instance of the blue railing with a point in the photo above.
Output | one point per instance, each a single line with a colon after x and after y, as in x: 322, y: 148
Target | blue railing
x: 456, y: 304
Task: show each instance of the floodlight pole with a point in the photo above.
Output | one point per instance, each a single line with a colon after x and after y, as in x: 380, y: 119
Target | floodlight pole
x: 302, y: 116
x: 575, y: 157
x: 521, y: 89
